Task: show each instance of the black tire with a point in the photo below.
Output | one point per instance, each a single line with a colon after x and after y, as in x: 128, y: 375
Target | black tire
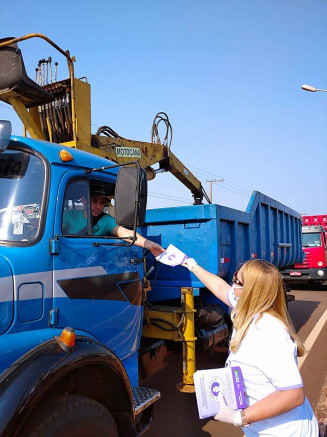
x: 70, y: 416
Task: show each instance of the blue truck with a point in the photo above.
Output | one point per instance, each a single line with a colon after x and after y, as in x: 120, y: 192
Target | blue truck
x: 51, y: 281
x: 81, y: 313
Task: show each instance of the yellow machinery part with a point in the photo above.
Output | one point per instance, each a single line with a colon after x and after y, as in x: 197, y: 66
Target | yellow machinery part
x: 159, y: 322
x: 28, y: 118
x: 67, y: 120
x: 83, y: 111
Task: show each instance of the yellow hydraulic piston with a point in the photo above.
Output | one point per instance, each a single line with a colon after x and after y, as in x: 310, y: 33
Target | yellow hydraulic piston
x: 176, y: 324
x: 189, y: 364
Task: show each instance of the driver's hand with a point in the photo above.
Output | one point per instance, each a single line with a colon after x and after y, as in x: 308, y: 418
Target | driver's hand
x: 153, y: 247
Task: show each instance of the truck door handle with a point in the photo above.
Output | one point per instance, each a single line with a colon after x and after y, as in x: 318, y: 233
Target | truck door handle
x: 136, y: 260
x: 140, y: 260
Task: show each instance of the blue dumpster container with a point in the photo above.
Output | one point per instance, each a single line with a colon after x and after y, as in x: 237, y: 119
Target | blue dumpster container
x: 221, y: 239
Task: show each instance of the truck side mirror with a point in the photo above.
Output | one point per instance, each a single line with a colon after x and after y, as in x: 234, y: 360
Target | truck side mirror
x: 130, y: 196
x: 5, y: 132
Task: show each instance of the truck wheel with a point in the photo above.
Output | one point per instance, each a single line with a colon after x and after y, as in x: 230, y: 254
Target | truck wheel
x: 71, y: 416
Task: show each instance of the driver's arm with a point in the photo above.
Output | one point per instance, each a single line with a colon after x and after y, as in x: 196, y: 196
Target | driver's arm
x: 154, y: 248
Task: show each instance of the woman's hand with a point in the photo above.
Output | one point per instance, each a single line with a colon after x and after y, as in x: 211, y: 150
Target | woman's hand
x: 225, y: 413
x: 189, y: 263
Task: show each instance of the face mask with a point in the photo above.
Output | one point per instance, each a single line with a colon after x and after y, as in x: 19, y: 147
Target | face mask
x: 235, y: 287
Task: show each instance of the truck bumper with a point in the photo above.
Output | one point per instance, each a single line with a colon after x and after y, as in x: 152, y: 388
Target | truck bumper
x: 294, y: 276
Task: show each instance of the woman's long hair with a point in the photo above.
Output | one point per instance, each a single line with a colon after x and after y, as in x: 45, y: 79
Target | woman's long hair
x: 263, y: 291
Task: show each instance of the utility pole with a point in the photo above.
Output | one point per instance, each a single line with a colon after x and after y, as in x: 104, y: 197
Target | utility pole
x: 211, y: 181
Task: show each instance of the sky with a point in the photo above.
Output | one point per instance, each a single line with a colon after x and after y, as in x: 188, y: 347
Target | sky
x: 228, y: 74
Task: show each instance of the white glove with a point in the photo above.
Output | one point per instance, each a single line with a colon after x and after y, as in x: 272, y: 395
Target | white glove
x: 227, y: 414
x: 190, y: 263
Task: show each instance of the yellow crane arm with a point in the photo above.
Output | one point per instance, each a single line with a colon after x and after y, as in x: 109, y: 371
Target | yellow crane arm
x: 122, y: 150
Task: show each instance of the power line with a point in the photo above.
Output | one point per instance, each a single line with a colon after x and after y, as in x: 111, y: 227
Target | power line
x: 226, y: 183
x: 211, y: 181
x: 236, y: 192
x: 173, y: 198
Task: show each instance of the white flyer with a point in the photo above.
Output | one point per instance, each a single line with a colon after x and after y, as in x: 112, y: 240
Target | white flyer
x: 172, y: 256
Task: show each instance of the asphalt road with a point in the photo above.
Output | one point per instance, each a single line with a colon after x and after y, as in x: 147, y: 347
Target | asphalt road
x: 176, y: 413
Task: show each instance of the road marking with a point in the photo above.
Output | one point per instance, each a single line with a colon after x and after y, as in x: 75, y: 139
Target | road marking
x: 313, y: 337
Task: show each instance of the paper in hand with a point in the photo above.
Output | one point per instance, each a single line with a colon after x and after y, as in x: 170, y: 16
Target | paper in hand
x: 172, y: 256
x: 213, y: 386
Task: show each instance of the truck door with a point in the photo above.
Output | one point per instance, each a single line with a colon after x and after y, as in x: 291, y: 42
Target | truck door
x: 97, y: 288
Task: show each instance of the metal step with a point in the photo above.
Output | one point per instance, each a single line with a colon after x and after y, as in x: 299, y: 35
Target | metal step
x: 144, y: 397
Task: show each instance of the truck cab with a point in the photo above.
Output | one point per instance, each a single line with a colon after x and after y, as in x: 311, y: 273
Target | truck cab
x: 313, y: 268
x: 58, y: 284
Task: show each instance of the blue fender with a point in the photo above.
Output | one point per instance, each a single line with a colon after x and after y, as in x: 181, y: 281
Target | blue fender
x: 14, y: 345
x: 29, y: 378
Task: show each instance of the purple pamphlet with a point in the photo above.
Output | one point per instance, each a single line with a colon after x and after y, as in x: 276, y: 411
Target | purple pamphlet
x: 209, y: 383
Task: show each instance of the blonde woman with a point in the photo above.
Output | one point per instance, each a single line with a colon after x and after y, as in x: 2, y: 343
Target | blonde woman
x: 265, y: 346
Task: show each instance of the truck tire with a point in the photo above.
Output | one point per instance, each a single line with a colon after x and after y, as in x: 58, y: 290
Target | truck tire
x: 70, y: 416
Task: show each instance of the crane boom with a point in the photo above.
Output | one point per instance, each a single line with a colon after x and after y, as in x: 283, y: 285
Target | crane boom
x: 60, y: 111
x: 121, y: 150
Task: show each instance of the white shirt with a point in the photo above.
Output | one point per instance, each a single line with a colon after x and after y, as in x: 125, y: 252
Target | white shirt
x: 267, y: 357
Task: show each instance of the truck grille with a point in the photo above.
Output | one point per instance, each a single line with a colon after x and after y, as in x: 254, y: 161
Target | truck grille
x: 307, y: 261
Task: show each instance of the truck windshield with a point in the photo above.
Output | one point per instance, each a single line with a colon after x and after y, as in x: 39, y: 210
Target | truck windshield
x: 22, y: 176
x: 311, y: 240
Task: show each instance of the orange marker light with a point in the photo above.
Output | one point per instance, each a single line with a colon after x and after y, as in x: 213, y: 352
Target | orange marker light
x: 65, y: 156
x: 67, y: 337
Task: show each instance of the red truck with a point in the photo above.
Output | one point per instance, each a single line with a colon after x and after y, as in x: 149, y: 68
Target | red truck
x: 313, y: 269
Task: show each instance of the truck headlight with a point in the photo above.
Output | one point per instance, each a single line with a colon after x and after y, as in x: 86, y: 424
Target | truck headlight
x: 320, y: 273
x: 320, y: 263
